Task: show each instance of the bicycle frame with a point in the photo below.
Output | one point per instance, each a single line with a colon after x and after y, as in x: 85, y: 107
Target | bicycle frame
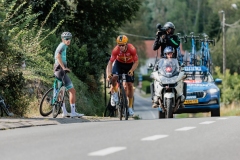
x: 205, y: 52
x: 179, y: 54
x: 123, y: 97
x: 193, y: 57
x: 57, y: 84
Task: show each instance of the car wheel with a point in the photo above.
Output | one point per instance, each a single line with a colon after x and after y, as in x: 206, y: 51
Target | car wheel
x: 215, y: 112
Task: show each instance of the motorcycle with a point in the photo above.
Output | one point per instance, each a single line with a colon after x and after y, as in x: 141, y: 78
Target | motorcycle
x: 167, y: 87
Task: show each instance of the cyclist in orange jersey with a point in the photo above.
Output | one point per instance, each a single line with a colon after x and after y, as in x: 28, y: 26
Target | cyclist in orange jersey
x: 125, y: 59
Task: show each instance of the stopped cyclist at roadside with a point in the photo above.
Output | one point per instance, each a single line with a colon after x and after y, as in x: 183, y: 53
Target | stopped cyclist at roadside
x: 60, y: 66
x: 125, y: 59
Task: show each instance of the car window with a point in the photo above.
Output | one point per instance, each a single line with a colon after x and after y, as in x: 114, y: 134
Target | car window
x: 198, y: 77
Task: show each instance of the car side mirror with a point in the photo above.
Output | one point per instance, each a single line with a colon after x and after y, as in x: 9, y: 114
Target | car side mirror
x: 218, y: 81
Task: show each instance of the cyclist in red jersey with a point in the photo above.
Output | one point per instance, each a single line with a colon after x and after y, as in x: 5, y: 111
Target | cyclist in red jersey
x: 125, y: 59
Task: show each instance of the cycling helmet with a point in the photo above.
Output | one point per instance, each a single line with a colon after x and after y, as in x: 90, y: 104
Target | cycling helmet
x: 122, y: 39
x: 167, y: 50
x: 66, y: 35
x: 169, y: 25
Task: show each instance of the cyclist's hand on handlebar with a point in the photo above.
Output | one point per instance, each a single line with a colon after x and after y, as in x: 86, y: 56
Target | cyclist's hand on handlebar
x: 109, y: 76
x: 130, y: 73
x: 67, y: 70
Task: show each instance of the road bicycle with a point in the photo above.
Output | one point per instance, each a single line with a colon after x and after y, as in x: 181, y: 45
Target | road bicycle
x: 193, y: 54
x: 205, y: 52
x: 123, y: 102
x: 4, y: 108
x: 53, y: 99
x: 179, y: 54
x: 122, y: 105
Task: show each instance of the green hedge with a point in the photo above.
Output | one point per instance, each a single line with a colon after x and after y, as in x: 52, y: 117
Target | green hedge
x: 146, y: 86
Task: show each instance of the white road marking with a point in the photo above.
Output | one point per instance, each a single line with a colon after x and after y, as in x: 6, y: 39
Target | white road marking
x: 222, y: 118
x: 184, y: 128
x: 207, y: 122
x: 153, y: 138
x: 106, y: 151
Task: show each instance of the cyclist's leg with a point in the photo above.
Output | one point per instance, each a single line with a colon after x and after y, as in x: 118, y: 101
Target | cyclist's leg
x: 129, y: 87
x: 114, y: 84
x: 72, y: 96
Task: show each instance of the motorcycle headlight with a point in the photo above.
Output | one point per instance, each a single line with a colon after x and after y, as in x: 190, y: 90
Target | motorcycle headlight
x: 212, y: 90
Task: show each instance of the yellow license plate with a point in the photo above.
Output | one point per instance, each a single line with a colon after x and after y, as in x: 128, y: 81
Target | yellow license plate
x: 192, y: 101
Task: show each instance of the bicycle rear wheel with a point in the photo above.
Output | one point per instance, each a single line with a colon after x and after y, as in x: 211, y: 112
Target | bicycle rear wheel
x: 110, y: 111
x: 47, y: 103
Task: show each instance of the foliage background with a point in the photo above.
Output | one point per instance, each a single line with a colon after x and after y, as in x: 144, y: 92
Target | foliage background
x: 33, y: 33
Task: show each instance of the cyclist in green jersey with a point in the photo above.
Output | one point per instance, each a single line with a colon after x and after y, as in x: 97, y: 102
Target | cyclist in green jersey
x: 60, y: 67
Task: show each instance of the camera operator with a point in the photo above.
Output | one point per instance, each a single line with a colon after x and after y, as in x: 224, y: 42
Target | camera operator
x: 165, y: 37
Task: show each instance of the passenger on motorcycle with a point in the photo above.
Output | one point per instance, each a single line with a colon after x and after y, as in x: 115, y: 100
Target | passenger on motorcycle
x: 168, y: 54
x: 125, y: 59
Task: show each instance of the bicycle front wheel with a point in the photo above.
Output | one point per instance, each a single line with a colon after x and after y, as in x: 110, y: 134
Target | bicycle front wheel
x: 47, y: 103
x: 59, y: 101
x: 124, y: 103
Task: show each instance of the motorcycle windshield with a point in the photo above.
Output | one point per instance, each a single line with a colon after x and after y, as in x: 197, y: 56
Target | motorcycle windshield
x: 168, y: 67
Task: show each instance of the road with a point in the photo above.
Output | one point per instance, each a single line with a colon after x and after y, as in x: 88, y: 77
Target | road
x: 207, y: 138
x: 143, y: 107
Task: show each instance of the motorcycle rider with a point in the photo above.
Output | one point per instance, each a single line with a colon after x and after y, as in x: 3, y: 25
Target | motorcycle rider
x: 168, y: 54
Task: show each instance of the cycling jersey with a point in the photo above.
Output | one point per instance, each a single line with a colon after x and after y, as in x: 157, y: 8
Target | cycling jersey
x: 129, y: 56
x: 58, y: 71
x: 62, y: 49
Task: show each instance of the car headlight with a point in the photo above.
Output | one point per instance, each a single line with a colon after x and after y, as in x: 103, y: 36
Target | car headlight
x: 213, y: 90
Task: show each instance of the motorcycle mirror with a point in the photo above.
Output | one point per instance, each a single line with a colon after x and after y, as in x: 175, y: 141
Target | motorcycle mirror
x: 150, y: 65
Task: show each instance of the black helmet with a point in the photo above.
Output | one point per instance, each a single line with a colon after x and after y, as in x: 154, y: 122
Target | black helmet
x: 169, y: 25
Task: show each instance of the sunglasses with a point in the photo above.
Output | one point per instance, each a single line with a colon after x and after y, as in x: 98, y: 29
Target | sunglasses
x: 67, y: 39
x: 122, y: 45
x: 170, y: 53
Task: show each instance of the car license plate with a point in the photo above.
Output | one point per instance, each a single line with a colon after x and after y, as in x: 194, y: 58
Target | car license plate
x: 191, y: 101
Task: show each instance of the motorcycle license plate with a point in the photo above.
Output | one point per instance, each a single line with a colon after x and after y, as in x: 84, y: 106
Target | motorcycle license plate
x: 191, y: 101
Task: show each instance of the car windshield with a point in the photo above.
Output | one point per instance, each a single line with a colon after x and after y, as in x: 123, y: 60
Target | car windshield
x: 168, y: 67
x: 198, y: 77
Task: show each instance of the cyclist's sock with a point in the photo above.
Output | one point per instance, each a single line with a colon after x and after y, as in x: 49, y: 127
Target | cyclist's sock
x: 72, y: 108
x: 64, y: 108
x: 130, y: 102
x: 115, y: 89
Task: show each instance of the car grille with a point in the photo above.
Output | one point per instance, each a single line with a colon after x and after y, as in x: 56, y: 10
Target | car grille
x: 197, y: 94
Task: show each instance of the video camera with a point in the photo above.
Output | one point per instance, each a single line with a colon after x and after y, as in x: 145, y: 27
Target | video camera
x: 161, y: 31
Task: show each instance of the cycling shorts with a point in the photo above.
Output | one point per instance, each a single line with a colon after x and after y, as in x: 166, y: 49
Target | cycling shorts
x: 120, y: 68
x: 61, y: 76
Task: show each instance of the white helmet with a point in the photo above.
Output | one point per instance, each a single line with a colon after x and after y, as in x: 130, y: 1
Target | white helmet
x: 66, y: 35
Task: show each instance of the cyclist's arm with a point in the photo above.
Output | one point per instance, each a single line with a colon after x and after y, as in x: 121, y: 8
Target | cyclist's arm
x: 135, y: 65
x: 135, y: 59
x: 59, y: 59
x: 109, y: 68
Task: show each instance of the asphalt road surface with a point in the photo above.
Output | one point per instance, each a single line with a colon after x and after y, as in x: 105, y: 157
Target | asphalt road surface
x: 150, y: 138
x: 207, y: 138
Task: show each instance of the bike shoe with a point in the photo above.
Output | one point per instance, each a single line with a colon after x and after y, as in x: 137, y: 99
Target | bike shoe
x: 130, y: 111
x: 64, y: 115
x: 114, y: 99
x: 76, y: 115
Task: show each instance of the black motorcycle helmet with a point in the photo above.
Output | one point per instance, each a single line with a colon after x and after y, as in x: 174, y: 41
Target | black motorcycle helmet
x: 169, y: 25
